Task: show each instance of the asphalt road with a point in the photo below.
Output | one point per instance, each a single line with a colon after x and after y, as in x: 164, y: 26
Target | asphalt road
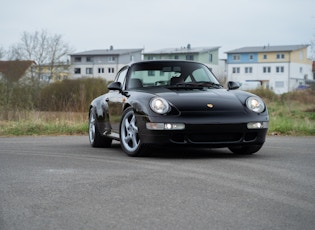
x: 63, y: 183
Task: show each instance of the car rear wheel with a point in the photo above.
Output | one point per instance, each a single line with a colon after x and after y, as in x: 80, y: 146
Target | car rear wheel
x: 129, y: 134
x: 245, y: 150
x: 95, y: 137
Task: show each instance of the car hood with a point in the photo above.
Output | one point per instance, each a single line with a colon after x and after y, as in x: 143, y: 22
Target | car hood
x: 203, y: 100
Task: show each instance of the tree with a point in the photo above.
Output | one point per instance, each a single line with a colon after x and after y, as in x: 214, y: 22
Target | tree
x: 2, y: 53
x: 48, y: 51
x: 43, y: 48
x: 313, y: 48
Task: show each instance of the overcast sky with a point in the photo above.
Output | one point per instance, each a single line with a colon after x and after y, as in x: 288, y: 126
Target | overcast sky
x: 157, y: 24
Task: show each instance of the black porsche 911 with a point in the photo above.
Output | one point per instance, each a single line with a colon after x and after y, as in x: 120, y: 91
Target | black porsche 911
x: 171, y: 102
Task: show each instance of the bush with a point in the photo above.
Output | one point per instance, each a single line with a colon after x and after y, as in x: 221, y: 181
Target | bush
x: 300, y: 96
x: 14, y: 98
x: 266, y: 94
x: 71, y: 95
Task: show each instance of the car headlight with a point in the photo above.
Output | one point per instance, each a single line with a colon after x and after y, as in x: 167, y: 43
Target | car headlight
x: 255, y: 104
x: 159, y: 105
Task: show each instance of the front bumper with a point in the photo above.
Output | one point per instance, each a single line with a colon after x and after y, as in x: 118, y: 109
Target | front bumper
x: 215, y: 134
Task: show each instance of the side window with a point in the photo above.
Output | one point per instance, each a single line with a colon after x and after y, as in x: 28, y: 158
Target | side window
x: 200, y: 75
x: 121, y: 76
x: 188, y: 79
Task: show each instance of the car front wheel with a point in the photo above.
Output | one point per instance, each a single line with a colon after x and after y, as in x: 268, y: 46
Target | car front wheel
x: 129, y: 134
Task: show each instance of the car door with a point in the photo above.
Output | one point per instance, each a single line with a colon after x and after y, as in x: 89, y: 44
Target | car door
x: 115, y: 101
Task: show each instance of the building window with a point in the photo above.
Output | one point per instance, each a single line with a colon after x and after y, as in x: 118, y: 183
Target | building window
x: 151, y: 73
x: 251, y: 57
x: 236, y: 57
x: 210, y: 58
x: 236, y: 70
x: 280, y: 56
x: 111, y: 70
x: 248, y: 69
x: 89, y: 70
x: 77, y: 59
x: 89, y: 59
x: 265, y: 56
x: 100, y: 70
x: 77, y: 70
x: 176, y: 57
x: 111, y: 59
x: 190, y: 57
x: 279, y: 84
x: 279, y: 69
x: 266, y: 69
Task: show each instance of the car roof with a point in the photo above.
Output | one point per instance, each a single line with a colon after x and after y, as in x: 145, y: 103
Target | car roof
x: 163, y: 60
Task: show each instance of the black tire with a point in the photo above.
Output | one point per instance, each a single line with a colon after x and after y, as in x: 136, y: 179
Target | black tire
x: 245, y: 150
x: 129, y: 137
x: 95, y: 137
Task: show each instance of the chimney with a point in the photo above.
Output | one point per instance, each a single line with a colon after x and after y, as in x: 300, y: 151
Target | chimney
x: 188, y: 46
x: 111, y: 47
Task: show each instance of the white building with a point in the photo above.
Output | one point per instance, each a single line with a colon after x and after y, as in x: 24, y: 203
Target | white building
x: 207, y: 55
x: 103, y: 63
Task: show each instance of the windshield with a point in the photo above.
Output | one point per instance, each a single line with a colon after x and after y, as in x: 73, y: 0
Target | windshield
x: 170, y: 74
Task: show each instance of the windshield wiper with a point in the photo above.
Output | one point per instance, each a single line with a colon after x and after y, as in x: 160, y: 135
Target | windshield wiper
x: 210, y: 84
x: 196, y: 85
x: 186, y: 85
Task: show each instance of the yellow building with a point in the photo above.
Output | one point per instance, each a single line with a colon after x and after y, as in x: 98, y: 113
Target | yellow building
x: 52, y: 73
x: 279, y: 68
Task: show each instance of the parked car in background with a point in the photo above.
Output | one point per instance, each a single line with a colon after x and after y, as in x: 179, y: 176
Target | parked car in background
x: 303, y: 87
x: 176, y: 103
x: 250, y: 85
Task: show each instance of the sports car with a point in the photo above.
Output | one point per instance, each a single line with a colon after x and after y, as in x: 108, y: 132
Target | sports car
x: 181, y: 103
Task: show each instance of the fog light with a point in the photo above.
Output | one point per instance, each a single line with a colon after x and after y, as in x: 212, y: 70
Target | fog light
x: 255, y: 125
x: 155, y: 126
x: 165, y: 126
x: 168, y: 126
x: 175, y: 126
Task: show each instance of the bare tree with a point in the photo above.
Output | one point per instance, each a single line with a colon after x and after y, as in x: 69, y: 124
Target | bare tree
x: 313, y: 48
x: 43, y: 48
x: 57, y: 51
x: 2, y: 52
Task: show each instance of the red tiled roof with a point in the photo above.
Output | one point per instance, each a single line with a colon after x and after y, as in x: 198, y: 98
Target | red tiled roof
x: 14, y: 70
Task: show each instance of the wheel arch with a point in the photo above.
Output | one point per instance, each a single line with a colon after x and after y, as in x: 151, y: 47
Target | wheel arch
x: 126, y: 106
x: 99, y: 107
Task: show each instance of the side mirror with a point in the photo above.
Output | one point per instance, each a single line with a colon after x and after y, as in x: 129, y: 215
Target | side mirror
x: 233, y: 85
x: 115, y: 86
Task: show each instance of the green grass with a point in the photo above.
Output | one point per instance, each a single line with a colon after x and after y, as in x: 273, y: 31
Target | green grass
x: 46, y: 123
x: 290, y: 114
x: 288, y: 121
x: 25, y: 128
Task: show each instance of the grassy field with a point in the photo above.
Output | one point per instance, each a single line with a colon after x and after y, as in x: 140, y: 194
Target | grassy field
x: 45, y: 123
x: 295, y: 119
x: 290, y: 114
